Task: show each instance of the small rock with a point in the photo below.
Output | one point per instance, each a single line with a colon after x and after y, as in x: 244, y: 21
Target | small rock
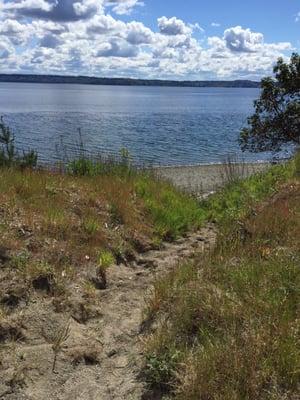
x: 121, y: 362
x: 24, y: 231
x: 111, y: 353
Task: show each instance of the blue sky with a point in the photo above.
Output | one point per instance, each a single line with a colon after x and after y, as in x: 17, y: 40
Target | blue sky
x: 276, y: 19
x: 168, y: 39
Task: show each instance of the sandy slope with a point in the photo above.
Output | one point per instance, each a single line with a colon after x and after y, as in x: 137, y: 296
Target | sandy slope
x: 102, y: 356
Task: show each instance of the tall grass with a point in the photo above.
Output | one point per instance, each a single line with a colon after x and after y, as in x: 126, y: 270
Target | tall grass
x: 234, y: 169
x: 228, y: 323
x: 237, y: 198
x: 99, y: 165
x: 172, y: 212
x: 135, y: 198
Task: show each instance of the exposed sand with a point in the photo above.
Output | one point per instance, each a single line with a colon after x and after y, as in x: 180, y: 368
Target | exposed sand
x: 103, y: 356
x: 203, y: 179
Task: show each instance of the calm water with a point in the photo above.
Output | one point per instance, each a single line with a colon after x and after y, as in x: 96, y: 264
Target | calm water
x: 157, y: 125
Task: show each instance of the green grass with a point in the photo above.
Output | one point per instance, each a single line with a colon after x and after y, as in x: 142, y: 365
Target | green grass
x: 172, y: 212
x: 228, y: 322
x: 115, y: 210
x: 118, y: 209
x: 237, y: 198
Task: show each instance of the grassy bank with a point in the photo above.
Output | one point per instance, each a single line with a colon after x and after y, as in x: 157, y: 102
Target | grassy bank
x: 61, y: 233
x: 61, y: 238
x: 98, y: 207
x: 228, y: 323
x: 83, y: 215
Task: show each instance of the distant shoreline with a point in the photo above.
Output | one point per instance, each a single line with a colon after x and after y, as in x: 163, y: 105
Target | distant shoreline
x: 88, y: 80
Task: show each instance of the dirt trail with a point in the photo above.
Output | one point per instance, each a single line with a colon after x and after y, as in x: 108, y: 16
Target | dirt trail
x: 106, y: 350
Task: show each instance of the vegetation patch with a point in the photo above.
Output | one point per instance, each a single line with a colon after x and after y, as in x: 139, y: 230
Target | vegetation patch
x: 240, y: 196
x: 61, y: 234
x: 173, y: 212
x: 228, y: 323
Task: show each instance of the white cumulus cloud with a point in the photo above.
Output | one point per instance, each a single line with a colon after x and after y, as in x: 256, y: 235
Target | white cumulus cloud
x: 243, y: 40
x: 173, y: 26
x: 91, y: 37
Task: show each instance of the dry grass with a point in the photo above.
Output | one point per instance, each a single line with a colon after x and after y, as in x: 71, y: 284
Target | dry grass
x: 229, y: 324
x: 61, y: 233
x: 233, y: 170
x: 75, y: 212
x: 78, y: 216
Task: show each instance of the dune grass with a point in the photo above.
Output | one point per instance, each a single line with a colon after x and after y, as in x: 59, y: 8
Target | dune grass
x: 81, y: 215
x: 228, y: 322
x: 173, y: 212
x: 66, y: 219
x: 240, y: 195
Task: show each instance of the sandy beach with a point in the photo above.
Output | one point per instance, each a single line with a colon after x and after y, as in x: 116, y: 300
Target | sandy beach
x: 204, y: 179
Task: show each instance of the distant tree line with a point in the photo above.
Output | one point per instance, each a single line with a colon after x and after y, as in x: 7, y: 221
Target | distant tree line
x: 86, y: 80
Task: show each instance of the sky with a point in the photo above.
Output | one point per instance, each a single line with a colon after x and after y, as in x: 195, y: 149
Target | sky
x: 152, y: 39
